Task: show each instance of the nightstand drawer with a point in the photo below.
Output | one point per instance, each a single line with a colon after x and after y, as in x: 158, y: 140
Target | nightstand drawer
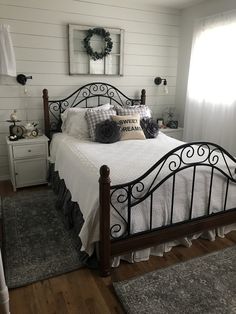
x: 29, y: 150
x: 30, y: 172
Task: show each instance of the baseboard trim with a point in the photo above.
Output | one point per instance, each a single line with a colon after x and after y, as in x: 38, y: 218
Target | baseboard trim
x: 5, y: 177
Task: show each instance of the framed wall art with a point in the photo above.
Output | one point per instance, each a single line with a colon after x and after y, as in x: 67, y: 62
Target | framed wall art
x: 95, y: 50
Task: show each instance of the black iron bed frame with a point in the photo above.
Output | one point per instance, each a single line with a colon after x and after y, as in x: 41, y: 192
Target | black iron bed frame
x: 118, y: 238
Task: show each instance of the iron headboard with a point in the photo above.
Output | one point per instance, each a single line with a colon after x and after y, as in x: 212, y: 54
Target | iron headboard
x: 87, y: 96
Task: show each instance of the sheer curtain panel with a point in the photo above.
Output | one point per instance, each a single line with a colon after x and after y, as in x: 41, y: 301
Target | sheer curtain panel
x: 210, y: 113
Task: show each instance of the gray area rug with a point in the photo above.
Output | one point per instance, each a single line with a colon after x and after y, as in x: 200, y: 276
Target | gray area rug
x: 37, y: 245
x: 205, y: 285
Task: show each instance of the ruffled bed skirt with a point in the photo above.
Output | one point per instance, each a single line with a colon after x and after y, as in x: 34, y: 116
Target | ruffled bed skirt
x: 73, y: 218
x: 71, y: 214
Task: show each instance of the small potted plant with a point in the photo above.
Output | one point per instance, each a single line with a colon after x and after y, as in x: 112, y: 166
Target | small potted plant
x: 169, y: 113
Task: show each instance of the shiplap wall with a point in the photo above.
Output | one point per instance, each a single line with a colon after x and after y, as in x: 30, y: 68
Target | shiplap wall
x: 40, y: 37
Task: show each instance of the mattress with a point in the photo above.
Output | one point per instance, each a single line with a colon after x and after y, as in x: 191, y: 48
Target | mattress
x: 78, y: 163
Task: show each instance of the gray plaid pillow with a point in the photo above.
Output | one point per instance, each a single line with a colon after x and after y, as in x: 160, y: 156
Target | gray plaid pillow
x: 142, y: 110
x: 94, y: 117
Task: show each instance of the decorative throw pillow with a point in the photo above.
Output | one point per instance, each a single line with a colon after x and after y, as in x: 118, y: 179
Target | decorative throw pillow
x: 142, y: 110
x: 150, y: 127
x: 130, y: 127
x: 107, y: 131
x: 94, y: 117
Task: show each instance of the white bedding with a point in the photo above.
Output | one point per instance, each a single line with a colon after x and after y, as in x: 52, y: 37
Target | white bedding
x: 78, y: 163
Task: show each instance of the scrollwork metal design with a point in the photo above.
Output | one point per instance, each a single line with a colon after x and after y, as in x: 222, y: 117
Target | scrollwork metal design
x: 175, y: 164
x: 90, y: 91
x: 214, y: 157
x: 183, y: 157
x: 119, y: 196
x: 64, y: 105
x: 54, y: 126
x: 136, y: 189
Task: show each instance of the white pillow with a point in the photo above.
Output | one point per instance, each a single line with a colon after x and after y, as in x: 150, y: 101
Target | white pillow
x: 74, y: 123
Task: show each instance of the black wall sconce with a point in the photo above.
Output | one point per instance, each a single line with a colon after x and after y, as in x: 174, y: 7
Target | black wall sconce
x: 22, y: 79
x: 158, y: 81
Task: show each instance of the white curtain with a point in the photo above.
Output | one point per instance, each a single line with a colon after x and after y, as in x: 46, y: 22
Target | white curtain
x: 210, y: 113
x: 7, y: 55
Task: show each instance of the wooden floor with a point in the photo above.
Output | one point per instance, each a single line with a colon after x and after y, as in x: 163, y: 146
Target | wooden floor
x: 83, y: 291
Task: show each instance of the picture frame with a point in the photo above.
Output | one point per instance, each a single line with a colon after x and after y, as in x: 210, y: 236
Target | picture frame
x: 160, y: 122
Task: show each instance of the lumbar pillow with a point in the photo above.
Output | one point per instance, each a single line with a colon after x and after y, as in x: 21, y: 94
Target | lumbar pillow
x: 150, y: 127
x: 94, y: 117
x: 142, y: 110
x: 107, y: 131
x: 130, y: 127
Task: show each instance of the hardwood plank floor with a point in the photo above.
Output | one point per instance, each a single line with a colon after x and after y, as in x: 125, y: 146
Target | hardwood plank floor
x: 84, y: 291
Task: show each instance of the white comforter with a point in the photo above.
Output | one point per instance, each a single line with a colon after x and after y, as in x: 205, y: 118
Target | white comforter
x: 78, y: 163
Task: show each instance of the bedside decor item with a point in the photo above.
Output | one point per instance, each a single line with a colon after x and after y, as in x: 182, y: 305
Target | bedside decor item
x: 13, y: 137
x: 173, y: 124
x: 160, y: 122
x: 18, y: 130
x: 169, y: 114
x: 107, y: 132
x: 105, y: 39
x: 31, y: 130
x: 15, y: 131
x: 13, y: 115
x: 35, y: 133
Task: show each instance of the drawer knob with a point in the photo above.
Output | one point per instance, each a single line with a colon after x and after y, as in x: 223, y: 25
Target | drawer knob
x: 29, y: 150
x: 16, y: 173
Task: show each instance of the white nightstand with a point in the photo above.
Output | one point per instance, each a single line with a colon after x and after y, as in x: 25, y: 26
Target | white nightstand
x: 28, y: 161
x: 175, y: 133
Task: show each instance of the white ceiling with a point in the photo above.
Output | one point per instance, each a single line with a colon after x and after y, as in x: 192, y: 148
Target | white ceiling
x: 174, y: 4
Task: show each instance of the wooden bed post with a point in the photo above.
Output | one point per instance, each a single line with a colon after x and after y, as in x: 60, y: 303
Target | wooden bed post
x: 46, y: 113
x: 104, y: 212
x: 143, y: 97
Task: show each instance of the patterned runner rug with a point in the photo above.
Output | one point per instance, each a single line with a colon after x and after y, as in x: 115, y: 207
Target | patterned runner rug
x: 36, y: 244
x: 202, y: 285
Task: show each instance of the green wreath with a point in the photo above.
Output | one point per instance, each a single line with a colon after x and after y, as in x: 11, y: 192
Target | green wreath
x: 107, y: 43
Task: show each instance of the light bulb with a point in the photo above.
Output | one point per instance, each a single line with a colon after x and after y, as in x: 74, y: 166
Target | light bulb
x: 165, y: 86
x: 166, y: 91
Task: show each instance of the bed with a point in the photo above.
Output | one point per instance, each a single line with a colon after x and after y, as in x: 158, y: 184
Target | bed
x: 154, y: 192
